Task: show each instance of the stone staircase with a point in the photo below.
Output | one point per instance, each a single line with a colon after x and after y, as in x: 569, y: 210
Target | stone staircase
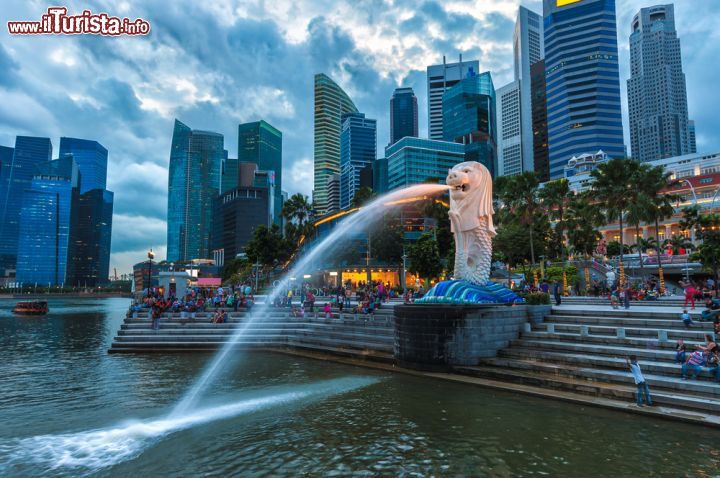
x: 366, y: 336
x: 583, y: 351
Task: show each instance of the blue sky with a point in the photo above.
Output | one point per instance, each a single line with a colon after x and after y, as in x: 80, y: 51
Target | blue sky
x: 214, y: 64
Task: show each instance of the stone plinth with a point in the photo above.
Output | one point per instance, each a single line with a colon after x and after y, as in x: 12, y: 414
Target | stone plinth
x: 440, y: 336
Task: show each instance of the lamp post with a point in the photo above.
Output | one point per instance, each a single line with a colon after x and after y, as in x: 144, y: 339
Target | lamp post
x: 403, y: 281
x: 691, y: 189
x: 712, y: 203
x: 151, y: 256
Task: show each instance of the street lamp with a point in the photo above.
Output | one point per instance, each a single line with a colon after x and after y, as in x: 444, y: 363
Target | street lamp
x: 151, y: 256
x: 712, y: 203
x: 691, y: 189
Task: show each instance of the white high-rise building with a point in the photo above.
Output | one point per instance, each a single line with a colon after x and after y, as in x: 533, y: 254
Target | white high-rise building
x: 439, y: 79
x: 509, y: 138
x: 657, y: 98
x: 514, y: 101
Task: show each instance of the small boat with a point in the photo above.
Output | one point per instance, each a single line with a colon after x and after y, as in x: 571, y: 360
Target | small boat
x: 36, y: 307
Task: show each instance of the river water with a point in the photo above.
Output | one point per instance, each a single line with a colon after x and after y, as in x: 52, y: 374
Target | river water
x: 67, y: 408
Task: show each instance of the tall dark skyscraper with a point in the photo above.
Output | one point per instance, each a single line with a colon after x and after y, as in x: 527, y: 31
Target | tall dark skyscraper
x: 657, y: 97
x: 16, y: 175
x: 358, y: 150
x: 541, y: 163
x: 261, y: 143
x: 469, y: 118
x: 90, y: 265
x: 403, y: 114
x: 91, y: 158
x: 47, y: 220
x: 194, y: 181
x: 583, y: 80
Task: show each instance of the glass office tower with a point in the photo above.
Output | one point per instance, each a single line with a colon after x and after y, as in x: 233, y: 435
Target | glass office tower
x: 583, y: 81
x: 469, y: 119
x: 47, y: 218
x: 91, y: 158
x: 358, y: 149
x: 16, y: 174
x: 403, y: 114
x: 418, y: 160
x: 261, y: 143
x: 90, y: 265
x: 331, y: 103
x: 194, y: 181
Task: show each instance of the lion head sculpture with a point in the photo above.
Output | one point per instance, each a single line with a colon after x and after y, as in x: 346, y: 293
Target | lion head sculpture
x: 471, y: 196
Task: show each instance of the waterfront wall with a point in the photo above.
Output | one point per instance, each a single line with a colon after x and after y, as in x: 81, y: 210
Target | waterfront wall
x: 440, y: 336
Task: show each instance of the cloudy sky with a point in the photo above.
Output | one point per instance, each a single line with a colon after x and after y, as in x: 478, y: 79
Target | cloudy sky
x: 217, y: 63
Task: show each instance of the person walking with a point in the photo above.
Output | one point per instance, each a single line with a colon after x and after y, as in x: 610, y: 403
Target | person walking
x: 625, y: 295
x: 556, y: 292
x: 643, y: 392
x: 690, y: 296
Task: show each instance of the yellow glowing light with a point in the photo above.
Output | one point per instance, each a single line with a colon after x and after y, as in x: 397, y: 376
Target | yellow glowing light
x: 562, y: 3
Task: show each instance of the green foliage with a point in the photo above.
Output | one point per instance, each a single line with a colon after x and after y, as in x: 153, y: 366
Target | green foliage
x: 535, y: 298
x: 708, y: 253
x: 613, y: 249
x: 386, y: 240
x: 269, y: 247
x: 678, y: 242
x: 238, y: 268
x: 424, y: 258
x: 583, y: 218
x: 363, y: 196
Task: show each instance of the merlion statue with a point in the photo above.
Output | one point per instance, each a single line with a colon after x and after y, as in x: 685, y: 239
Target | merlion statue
x: 471, y: 221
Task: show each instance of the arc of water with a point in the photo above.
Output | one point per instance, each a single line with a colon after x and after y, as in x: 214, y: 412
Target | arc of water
x: 365, y: 215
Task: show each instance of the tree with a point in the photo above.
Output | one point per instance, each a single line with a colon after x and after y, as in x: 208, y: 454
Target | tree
x: 297, y: 211
x: 363, y: 196
x: 237, y: 266
x: 615, y: 189
x: 268, y: 247
x: 387, y: 239
x: 424, y: 258
x: 707, y: 229
x: 614, y: 249
x: 519, y: 195
x: 583, y: 218
x: 677, y: 242
x: 555, y: 196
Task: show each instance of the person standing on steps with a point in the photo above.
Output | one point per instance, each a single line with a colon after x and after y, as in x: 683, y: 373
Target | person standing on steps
x: 643, y: 392
x: 556, y: 292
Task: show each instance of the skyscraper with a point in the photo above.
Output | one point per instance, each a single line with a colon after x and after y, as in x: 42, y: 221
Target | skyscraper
x: 541, y: 163
x: 509, y: 137
x: 417, y: 160
x: 469, y: 118
x: 358, y: 149
x: 657, y: 98
x: 403, y: 114
x: 261, y: 143
x: 439, y: 79
x: 15, y: 176
x: 331, y: 103
x: 90, y: 263
x: 91, y: 158
x: 47, y: 218
x: 528, y: 49
x: 193, y: 182
x: 583, y: 82
x: 693, y: 139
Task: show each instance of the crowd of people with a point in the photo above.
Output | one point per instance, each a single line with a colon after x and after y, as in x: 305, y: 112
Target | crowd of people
x: 196, y: 300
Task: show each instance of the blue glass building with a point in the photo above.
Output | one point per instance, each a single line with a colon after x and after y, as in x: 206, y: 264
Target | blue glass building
x: 403, y: 114
x: 261, y: 143
x: 358, y: 149
x: 417, y: 160
x: 194, y: 181
x: 583, y: 81
x: 91, y: 158
x: 47, y: 218
x: 469, y: 119
x: 16, y: 175
x: 90, y: 264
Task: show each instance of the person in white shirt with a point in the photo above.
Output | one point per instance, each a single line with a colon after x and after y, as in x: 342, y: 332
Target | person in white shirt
x: 642, y: 388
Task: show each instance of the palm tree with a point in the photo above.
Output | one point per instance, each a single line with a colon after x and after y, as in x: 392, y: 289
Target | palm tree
x: 555, y: 196
x: 660, y: 204
x: 297, y: 209
x: 583, y: 218
x: 677, y: 242
x: 615, y: 189
x: 519, y: 194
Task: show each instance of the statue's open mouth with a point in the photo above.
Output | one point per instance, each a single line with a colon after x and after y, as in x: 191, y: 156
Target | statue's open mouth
x: 461, y: 187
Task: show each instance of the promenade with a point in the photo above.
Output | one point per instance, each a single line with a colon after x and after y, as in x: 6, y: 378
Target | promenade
x: 577, y: 353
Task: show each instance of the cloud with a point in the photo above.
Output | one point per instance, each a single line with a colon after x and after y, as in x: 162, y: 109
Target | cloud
x: 216, y: 64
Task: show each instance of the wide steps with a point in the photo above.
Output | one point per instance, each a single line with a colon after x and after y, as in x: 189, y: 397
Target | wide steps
x: 675, y: 324
x: 609, y: 340
x: 600, y: 389
x: 692, y: 334
x: 600, y: 349
x: 655, y: 381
